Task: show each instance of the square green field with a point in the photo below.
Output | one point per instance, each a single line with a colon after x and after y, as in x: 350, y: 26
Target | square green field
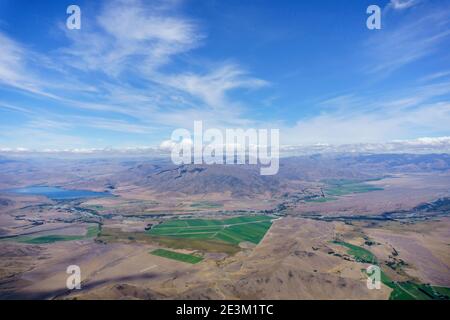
x: 233, y: 230
x: 189, y: 258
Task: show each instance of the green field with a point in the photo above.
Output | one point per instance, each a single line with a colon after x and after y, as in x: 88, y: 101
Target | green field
x: 400, y: 290
x: 90, y: 233
x: 341, y: 187
x: 206, y: 205
x: 360, y: 254
x: 189, y: 258
x: 414, y: 291
x: 232, y: 230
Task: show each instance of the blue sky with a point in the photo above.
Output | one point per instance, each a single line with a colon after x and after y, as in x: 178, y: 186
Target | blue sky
x: 137, y: 70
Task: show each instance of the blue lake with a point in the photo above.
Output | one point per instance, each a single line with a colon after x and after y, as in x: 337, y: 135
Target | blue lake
x: 58, y: 193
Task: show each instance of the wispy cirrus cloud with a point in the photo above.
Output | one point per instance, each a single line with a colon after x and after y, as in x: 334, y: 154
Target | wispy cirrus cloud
x: 213, y: 86
x: 14, y: 68
x: 436, y: 76
x: 336, y: 128
x: 402, y: 4
x: 407, y: 39
x: 422, y: 110
x: 131, y: 35
x: 133, y: 71
x: 128, y: 40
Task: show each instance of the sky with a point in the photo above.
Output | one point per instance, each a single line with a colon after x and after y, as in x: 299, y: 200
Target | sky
x: 137, y: 70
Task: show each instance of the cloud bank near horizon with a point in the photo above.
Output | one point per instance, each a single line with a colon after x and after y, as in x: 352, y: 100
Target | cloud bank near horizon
x: 419, y: 146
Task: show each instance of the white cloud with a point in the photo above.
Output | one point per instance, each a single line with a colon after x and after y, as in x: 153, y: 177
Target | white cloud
x: 212, y: 87
x: 134, y: 37
x: 430, y: 141
x: 419, y: 145
x: 435, y: 76
x: 168, y: 145
x: 389, y: 118
x: 14, y: 71
x: 407, y: 40
x: 38, y: 138
x: 129, y: 35
x: 402, y: 4
x: 10, y: 60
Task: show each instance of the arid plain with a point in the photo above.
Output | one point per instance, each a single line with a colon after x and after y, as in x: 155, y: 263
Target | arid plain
x: 307, y: 233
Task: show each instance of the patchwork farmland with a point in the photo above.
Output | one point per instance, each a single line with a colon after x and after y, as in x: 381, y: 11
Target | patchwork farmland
x: 232, y: 231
